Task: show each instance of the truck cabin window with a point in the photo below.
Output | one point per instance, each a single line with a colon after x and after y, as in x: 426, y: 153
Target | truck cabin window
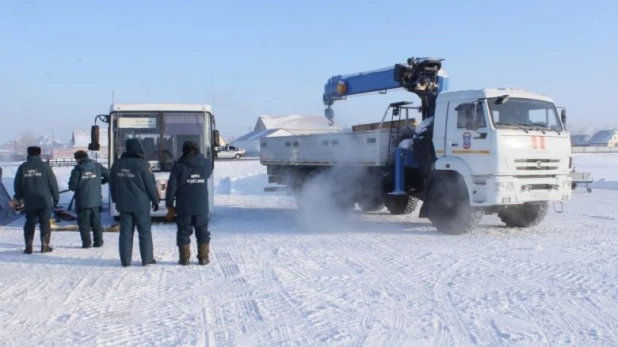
x: 466, y: 115
x: 527, y: 113
x: 161, y: 135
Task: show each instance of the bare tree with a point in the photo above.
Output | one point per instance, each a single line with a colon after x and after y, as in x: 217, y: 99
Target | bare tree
x: 23, y: 141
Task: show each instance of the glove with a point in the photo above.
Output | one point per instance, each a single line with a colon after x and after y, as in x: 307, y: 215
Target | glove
x: 155, y: 207
x: 19, y: 205
x: 171, y: 212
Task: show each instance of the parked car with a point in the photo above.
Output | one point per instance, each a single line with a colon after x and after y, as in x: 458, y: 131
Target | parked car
x: 229, y: 152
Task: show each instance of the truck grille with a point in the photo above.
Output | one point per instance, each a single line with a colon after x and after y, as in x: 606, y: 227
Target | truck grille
x: 537, y: 164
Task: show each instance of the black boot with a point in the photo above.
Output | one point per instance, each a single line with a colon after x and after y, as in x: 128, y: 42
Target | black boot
x: 152, y: 262
x: 45, y: 248
x: 29, y: 241
x: 202, y: 253
x: 86, y: 240
x: 184, y: 254
x: 98, y: 238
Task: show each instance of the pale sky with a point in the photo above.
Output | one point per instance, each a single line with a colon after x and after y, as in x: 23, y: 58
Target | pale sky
x: 61, y: 60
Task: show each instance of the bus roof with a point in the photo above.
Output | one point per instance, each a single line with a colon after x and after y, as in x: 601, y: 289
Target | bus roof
x: 159, y: 107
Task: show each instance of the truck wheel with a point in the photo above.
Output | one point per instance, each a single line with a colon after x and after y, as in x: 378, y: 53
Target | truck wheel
x: 402, y: 205
x: 451, y: 212
x: 371, y: 205
x: 524, y: 216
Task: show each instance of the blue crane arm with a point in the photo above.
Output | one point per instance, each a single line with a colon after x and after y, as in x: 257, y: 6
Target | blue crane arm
x: 421, y: 76
x: 359, y: 83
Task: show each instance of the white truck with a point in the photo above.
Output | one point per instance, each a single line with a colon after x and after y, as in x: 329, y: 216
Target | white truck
x: 476, y: 152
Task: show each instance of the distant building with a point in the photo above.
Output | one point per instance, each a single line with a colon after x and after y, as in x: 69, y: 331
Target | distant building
x: 80, y: 139
x: 269, y: 126
x: 579, y: 140
x: 7, y: 151
x: 605, y: 138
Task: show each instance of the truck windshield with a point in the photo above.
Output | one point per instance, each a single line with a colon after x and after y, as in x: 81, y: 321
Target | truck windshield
x: 527, y: 113
x: 161, y: 135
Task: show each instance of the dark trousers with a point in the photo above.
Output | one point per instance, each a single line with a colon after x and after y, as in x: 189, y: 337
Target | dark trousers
x: 89, y: 219
x: 128, y: 222
x: 185, y: 226
x: 42, y: 217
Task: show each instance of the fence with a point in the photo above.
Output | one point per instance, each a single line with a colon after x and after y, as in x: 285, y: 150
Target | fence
x: 62, y: 162
x: 594, y: 149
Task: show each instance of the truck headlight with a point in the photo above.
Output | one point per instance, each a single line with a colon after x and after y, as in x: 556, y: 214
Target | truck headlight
x: 505, y: 187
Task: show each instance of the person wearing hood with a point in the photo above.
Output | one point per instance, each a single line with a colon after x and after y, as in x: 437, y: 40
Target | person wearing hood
x: 134, y: 191
x: 7, y: 204
x: 86, y: 180
x: 188, y: 184
x: 36, y: 186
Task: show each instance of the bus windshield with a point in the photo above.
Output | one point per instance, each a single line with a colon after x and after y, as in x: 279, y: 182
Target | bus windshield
x: 161, y: 134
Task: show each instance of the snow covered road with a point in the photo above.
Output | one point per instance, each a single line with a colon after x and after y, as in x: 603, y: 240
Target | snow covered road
x: 280, y: 278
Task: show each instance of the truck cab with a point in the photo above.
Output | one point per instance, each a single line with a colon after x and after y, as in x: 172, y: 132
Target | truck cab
x: 508, y: 146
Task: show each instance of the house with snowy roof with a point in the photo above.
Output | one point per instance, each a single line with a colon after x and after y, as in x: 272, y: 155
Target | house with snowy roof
x: 579, y: 140
x: 79, y: 141
x: 605, y: 138
x: 274, y: 126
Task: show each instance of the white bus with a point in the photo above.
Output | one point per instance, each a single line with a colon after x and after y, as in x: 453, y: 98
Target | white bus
x: 162, y: 129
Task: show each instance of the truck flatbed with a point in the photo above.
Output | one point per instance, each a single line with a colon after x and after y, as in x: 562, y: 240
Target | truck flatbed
x: 364, y: 148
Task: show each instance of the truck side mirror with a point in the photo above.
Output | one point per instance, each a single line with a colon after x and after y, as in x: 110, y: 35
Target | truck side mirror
x: 94, y: 144
x: 563, y: 116
x: 215, y: 139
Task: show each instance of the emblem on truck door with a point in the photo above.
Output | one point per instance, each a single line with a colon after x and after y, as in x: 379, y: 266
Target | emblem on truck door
x: 467, y: 140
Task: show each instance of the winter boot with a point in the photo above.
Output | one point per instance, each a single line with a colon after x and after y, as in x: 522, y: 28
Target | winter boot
x: 98, y: 238
x: 86, y: 239
x: 152, y: 262
x: 45, y: 243
x: 184, y: 253
x: 202, y: 253
x: 29, y: 241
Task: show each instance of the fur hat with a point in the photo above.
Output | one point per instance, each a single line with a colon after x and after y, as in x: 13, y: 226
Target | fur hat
x: 134, y: 146
x: 80, y: 155
x: 190, y: 147
x: 34, y: 151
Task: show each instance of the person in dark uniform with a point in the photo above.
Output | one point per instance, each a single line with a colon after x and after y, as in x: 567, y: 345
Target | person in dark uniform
x: 7, y: 205
x: 86, y: 180
x: 133, y: 189
x: 188, y: 184
x: 36, y: 185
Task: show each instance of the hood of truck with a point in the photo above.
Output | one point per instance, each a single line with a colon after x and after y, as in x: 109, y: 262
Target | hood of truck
x: 535, y: 153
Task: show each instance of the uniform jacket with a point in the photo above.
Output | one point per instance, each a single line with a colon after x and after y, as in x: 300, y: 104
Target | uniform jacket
x: 132, y: 183
x: 188, y: 183
x: 86, y: 180
x: 36, y: 184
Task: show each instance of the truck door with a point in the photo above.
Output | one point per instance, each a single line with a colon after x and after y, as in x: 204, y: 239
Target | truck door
x: 468, y: 135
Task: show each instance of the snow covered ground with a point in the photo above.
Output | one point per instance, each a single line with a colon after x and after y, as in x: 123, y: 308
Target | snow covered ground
x: 280, y: 278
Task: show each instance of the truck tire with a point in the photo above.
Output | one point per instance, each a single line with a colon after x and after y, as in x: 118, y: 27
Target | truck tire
x: 403, y: 205
x: 451, y: 212
x: 371, y: 205
x: 524, y: 216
